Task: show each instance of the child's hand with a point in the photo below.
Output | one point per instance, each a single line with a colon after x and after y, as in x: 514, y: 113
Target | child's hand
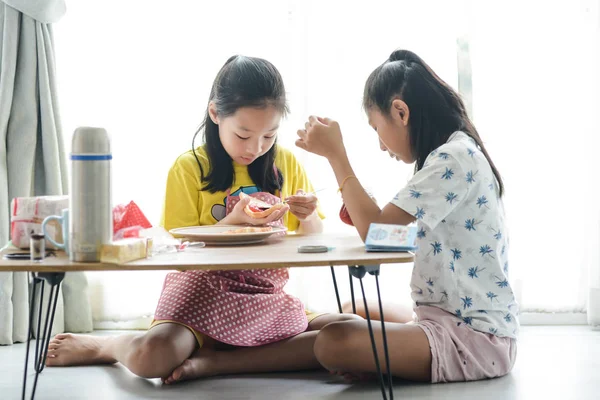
x: 321, y: 136
x: 302, y: 205
x: 238, y: 216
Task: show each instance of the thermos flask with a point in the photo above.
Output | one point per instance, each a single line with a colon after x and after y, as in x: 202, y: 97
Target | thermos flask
x: 90, y: 199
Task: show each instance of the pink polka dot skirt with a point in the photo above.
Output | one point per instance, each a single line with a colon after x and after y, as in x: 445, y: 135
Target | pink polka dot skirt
x: 240, y: 308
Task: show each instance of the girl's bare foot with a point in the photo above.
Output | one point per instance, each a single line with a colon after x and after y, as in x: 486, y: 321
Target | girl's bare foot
x: 201, y: 364
x: 68, y: 349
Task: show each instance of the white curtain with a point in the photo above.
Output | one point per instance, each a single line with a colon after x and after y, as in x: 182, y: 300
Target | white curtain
x: 535, y: 97
x: 593, y: 231
x: 532, y: 101
x: 32, y: 154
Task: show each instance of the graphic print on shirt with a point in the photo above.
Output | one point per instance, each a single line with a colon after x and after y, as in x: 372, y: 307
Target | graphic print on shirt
x: 218, y: 211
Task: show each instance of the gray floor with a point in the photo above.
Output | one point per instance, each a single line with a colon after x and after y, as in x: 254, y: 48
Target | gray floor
x: 552, y: 363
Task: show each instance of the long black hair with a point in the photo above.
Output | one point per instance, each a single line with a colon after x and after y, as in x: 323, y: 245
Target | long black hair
x: 436, y: 110
x: 241, y: 82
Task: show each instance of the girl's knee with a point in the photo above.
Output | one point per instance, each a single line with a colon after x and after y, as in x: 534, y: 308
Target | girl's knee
x: 334, y: 341
x: 392, y: 312
x: 150, y: 356
x: 325, y: 319
x: 349, y: 317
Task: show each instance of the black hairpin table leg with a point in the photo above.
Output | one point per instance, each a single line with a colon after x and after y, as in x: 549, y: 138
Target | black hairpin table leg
x: 337, y: 292
x: 359, y: 272
x: 42, y: 340
x: 352, y: 290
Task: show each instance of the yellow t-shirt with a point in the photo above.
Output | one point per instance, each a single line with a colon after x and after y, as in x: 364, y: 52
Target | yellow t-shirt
x: 186, y: 204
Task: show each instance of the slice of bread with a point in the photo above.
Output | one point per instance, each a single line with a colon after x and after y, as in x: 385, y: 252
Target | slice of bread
x: 258, y: 208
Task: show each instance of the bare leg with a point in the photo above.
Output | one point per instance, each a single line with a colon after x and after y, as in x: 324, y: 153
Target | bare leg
x: 346, y: 347
x: 392, y: 312
x: 291, y: 354
x: 151, y: 355
x: 319, y: 322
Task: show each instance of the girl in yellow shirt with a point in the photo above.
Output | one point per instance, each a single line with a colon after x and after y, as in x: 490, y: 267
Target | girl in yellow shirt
x: 200, y: 312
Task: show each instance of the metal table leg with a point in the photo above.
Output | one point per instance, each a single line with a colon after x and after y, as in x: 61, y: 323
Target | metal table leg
x: 337, y: 292
x: 42, y: 340
x: 359, y: 272
x: 375, y: 273
x: 352, y: 289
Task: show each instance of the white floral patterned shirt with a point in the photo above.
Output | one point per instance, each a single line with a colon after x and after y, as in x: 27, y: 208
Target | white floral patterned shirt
x: 461, y: 265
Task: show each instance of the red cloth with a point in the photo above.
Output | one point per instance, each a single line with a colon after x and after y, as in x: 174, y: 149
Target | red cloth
x: 130, y: 219
x: 344, y: 216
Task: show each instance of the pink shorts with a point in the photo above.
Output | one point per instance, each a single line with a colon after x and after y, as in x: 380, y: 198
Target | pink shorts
x: 459, y: 353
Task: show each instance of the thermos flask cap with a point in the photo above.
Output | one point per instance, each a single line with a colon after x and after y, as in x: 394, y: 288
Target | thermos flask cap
x: 90, y: 140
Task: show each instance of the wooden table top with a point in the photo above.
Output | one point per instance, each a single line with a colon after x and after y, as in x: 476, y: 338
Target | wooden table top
x: 273, y: 253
